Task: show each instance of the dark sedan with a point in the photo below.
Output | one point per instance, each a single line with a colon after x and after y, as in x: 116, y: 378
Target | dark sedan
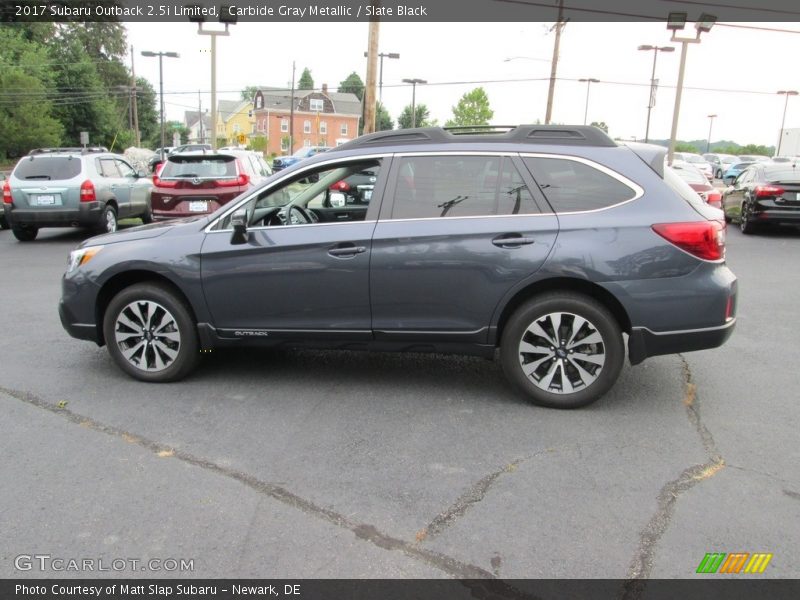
x: 764, y: 193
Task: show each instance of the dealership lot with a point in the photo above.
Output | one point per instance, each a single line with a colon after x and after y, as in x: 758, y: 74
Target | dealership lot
x: 315, y: 464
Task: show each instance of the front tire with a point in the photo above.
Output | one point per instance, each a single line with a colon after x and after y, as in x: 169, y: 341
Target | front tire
x: 150, y: 333
x: 562, y: 350
x: 25, y: 233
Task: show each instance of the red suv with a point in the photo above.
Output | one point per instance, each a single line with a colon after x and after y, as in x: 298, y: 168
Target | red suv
x: 199, y: 183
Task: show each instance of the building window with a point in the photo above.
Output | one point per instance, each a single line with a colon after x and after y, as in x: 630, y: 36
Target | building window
x: 284, y: 144
x: 344, y: 129
x: 306, y: 143
x: 236, y: 128
x: 284, y: 125
x: 306, y: 126
x: 259, y: 101
x: 317, y: 105
x: 323, y: 127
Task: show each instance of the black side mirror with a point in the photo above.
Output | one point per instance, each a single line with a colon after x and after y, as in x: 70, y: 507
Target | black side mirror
x: 239, y: 224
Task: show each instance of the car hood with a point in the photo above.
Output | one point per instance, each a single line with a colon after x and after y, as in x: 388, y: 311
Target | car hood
x: 142, y: 232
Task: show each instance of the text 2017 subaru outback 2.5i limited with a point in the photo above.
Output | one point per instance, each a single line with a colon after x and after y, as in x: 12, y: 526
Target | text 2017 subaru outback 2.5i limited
x: 545, y: 242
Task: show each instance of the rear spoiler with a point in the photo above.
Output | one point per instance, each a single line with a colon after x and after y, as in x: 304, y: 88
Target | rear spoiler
x: 651, y: 154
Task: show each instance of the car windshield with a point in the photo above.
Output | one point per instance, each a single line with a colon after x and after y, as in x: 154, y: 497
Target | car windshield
x: 741, y: 166
x: 695, y: 159
x: 48, y: 168
x: 199, y: 166
x: 729, y: 160
x: 690, y: 175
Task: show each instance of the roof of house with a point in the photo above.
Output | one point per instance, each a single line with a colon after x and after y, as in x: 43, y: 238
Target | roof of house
x: 229, y: 108
x: 280, y: 98
x: 190, y: 118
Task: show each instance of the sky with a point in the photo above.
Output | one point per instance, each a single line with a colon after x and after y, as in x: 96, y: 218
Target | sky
x: 741, y: 70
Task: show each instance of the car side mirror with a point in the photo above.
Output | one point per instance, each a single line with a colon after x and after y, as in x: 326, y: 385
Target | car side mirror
x: 140, y: 174
x: 239, y: 224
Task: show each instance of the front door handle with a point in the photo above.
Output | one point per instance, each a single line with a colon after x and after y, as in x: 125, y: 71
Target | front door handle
x: 346, y: 251
x: 512, y: 240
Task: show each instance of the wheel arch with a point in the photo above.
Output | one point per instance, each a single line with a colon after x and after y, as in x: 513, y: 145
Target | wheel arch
x: 123, y: 280
x: 567, y: 284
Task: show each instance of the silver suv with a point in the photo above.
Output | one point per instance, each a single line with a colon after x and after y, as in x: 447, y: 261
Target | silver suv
x: 74, y: 187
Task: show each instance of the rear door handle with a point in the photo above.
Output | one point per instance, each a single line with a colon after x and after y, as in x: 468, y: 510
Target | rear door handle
x: 346, y: 251
x: 512, y: 240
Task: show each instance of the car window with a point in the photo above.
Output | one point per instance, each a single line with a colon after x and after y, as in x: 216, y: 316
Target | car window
x: 48, y: 168
x: 199, y: 166
x: 125, y: 169
x: 572, y: 186
x: 459, y: 186
x: 108, y: 168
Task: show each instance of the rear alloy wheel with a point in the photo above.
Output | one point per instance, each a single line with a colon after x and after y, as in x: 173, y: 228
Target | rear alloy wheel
x: 150, y: 333
x: 25, y: 233
x: 147, y: 217
x: 108, y: 220
x: 745, y: 223
x: 562, y: 350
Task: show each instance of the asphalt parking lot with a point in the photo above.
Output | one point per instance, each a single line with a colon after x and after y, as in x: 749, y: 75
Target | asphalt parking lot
x: 334, y: 464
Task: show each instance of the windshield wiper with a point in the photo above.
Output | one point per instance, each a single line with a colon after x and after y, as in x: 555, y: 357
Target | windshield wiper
x: 450, y: 204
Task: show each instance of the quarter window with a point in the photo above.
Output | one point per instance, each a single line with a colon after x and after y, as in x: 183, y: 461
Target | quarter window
x: 572, y: 186
x: 459, y: 186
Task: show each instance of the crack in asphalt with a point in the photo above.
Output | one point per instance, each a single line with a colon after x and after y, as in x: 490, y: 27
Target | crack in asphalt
x: 642, y: 564
x: 792, y: 494
x: 363, y: 531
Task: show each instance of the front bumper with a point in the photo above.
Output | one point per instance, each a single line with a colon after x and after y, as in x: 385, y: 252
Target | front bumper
x: 81, y: 331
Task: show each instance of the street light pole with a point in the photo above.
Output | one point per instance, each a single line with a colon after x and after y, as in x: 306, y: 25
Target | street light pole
x: 710, y: 125
x: 675, y: 23
x: 414, y: 83
x: 382, y: 55
x: 652, y: 102
x: 786, y: 93
x: 226, y: 18
x: 160, y: 56
x: 588, y: 82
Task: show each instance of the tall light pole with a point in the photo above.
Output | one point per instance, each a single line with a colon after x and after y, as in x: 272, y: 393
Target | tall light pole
x: 675, y: 23
x: 710, y: 125
x: 226, y: 18
x: 786, y: 93
x: 382, y: 55
x: 414, y: 83
x: 161, y: 56
x: 588, y: 83
x: 653, y: 82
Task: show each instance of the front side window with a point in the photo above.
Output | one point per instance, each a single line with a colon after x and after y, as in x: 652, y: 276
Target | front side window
x: 108, y: 168
x: 573, y: 186
x: 459, y: 186
x: 125, y: 169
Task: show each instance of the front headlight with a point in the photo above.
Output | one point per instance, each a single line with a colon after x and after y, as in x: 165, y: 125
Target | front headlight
x: 81, y: 257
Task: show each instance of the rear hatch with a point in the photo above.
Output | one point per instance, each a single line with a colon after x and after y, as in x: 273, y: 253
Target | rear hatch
x: 46, y: 182
x: 192, y: 184
x: 783, y: 186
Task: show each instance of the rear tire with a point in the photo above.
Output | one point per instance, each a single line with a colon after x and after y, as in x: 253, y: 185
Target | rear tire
x: 4, y: 223
x: 745, y: 224
x: 147, y: 217
x: 562, y: 350
x: 25, y: 233
x: 150, y: 333
x: 108, y: 220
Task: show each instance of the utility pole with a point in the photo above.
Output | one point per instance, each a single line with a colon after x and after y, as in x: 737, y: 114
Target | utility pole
x: 200, y: 117
x: 372, y: 67
x: 136, y: 135
x: 291, y: 115
x: 554, y: 68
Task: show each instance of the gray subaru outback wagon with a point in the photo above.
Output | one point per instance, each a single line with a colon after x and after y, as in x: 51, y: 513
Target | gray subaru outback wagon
x: 543, y: 245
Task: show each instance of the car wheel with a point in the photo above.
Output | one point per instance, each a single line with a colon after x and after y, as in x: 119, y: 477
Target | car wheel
x: 562, y: 350
x: 150, y: 333
x: 147, y: 217
x: 3, y: 222
x: 25, y: 233
x: 108, y: 220
x: 745, y: 224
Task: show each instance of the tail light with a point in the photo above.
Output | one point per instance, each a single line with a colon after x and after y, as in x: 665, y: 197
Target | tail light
x: 768, y: 191
x: 242, y: 180
x: 7, y: 193
x: 87, y: 192
x: 341, y: 186
x: 703, y: 239
x: 164, y: 183
x: 714, y: 198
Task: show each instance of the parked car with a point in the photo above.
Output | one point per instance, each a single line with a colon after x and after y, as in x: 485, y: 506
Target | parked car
x: 765, y: 193
x: 191, y: 184
x: 74, y: 187
x: 282, y: 162
x: 191, y: 148
x: 547, y: 242
x: 753, y: 158
x: 734, y: 170
x: 3, y: 223
x: 698, y: 181
x: 700, y: 163
x: 720, y: 162
x: 156, y: 159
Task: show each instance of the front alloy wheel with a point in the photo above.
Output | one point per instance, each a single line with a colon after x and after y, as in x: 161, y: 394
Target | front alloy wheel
x: 746, y: 225
x: 562, y: 350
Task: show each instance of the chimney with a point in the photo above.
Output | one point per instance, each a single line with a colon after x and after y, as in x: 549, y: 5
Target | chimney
x: 324, y: 88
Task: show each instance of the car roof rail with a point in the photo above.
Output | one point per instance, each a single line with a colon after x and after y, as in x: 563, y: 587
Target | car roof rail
x: 569, y: 135
x: 88, y: 150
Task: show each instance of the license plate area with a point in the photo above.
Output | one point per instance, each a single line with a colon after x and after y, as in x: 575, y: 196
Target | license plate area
x: 198, y: 206
x: 46, y: 200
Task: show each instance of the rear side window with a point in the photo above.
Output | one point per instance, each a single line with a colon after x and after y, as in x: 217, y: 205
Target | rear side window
x: 48, y: 168
x: 459, y: 186
x: 572, y: 186
x: 199, y: 166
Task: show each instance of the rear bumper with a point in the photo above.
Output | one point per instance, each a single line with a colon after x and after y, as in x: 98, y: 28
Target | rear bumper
x: 644, y: 343
x: 87, y: 213
x: 787, y: 215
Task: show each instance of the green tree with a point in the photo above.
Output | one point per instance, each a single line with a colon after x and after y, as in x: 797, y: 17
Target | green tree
x: 757, y: 149
x: 684, y: 147
x: 472, y: 109
x: 353, y: 85
x: 306, y: 81
x: 383, y: 120
x: 248, y: 93
x: 147, y: 111
x: 404, y: 121
x: 600, y: 125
